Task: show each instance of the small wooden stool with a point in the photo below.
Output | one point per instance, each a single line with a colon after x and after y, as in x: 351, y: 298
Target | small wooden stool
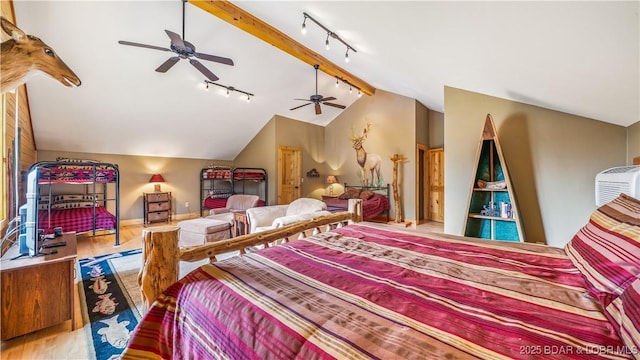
x: 158, y: 243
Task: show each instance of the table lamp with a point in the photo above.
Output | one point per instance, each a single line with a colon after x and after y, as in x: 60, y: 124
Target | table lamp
x: 331, y: 179
x: 157, y: 179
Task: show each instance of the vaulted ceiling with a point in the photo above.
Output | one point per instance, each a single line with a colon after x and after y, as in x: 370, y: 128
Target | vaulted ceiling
x: 576, y: 57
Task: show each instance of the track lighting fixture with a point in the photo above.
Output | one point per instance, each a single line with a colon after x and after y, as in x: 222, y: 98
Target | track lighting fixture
x: 351, y: 86
x: 229, y: 89
x: 329, y: 34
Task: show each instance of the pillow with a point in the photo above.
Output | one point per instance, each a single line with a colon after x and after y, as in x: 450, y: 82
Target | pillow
x: 624, y: 315
x: 72, y: 205
x: 366, y: 194
x: 350, y: 193
x: 64, y: 159
x: 607, y: 249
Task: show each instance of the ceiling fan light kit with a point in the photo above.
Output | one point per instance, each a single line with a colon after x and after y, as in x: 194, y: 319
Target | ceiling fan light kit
x: 183, y: 50
x: 330, y: 34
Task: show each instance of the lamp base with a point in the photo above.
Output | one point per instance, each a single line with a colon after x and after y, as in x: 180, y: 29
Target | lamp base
x: 156, y: 187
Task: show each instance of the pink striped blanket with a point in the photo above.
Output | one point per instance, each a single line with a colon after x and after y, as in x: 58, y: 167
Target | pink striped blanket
x: 362, y: 292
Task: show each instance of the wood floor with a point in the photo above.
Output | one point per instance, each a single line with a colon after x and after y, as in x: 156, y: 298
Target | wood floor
x: 59, y: 342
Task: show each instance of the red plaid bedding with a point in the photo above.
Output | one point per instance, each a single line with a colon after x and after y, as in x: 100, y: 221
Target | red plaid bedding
x: 210, y: 203
x: 78, y: 175
x: 248, y: 175
x: 76, y: 219
x: 364, y: 292
x: 371, y: 208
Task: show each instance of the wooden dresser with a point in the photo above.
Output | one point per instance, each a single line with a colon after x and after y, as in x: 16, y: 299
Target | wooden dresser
x: 38, y: 292
x: 157, y: 207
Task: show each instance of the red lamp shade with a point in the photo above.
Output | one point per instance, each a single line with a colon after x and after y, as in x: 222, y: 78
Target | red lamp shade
x: 157, y: 179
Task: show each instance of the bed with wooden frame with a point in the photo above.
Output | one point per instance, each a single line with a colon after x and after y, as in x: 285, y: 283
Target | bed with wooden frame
x: 362, y: 291
x: 375, y: 201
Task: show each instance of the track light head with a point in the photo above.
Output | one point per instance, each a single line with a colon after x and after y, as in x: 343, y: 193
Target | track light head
x: 304, y: 26
x: 326, y: 42
x: 346, y: 56
x: 337, y: 82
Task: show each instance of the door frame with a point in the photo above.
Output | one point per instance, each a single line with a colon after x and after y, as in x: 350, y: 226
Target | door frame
x: 422, y: 183
x: 298, y: 184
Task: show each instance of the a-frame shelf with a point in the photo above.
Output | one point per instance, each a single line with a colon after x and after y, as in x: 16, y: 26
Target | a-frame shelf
x: 493, y: 211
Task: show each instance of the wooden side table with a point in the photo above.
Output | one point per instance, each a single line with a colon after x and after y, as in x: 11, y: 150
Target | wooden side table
x: 38, y: 292
x: 325, y: 196
x: 240, y: 223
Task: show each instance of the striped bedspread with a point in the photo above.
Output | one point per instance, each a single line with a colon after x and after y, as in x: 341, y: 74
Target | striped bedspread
x: 365, y: 292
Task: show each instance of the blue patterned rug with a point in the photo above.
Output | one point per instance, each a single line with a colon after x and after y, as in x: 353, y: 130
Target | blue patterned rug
x: 110, y: 301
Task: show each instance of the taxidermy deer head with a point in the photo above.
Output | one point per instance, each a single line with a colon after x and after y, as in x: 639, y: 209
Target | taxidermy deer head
x: 24, y: 55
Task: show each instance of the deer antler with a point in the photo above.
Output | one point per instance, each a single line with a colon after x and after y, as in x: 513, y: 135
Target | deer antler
x: 25, y: 55
x: 353, y: 137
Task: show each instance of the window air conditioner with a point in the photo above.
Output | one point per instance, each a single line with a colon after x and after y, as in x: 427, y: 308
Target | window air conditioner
x: 611, y: 182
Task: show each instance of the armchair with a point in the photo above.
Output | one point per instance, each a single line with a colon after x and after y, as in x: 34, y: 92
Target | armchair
x: 234, y: 203
x: 275, y: 216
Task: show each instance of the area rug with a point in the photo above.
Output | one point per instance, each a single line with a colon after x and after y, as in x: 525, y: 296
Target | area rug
x: 110, y: 299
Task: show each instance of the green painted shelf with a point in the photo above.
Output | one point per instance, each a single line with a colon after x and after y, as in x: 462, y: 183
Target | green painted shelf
x: 493, y: 211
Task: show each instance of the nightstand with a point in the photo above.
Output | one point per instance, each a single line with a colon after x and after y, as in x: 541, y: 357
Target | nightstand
x: 157, y: 207
x: 240, y: 223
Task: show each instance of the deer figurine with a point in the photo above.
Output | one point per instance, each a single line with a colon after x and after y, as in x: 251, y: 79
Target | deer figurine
x: 25, y: 55
x: 369, y: 163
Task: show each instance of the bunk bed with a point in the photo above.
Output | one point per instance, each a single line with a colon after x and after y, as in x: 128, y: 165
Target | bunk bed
x: 217, y: 183
x: 375, y: 201
x: 93, y: 211
x: 215, y: 188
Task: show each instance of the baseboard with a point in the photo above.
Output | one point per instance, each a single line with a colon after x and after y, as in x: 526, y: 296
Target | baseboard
x: 175, y: 217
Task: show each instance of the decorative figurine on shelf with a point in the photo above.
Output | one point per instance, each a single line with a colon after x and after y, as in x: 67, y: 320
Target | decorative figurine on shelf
x: 313, y: 173
x: 490, y: 209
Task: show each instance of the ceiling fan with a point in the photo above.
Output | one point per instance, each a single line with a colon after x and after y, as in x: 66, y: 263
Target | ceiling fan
x: 317, y: 98
x: 183, y: 50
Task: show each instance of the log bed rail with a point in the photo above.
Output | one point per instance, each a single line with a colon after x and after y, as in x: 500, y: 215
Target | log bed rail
x: 161, y: 253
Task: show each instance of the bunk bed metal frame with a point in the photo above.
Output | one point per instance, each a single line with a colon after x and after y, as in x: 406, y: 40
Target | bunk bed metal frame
x: 236, y: 176
x: 91, y: 187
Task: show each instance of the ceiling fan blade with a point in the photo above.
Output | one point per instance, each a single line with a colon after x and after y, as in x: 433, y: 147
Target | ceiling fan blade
x: 167, y: 64
x: 142, y: 45
x: 318, y: 110
x: 176, y: 40
x: 206, y: 72
x: 218, y: 59
x: 297, y: 107
x: 303, y: 100
x: 329, y: 98
x: 335, y: 105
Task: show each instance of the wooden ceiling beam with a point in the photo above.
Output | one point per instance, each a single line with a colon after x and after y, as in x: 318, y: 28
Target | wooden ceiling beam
x: 234, y: 15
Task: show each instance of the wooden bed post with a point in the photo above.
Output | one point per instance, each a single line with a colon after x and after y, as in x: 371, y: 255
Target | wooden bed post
x: 160, y: 262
